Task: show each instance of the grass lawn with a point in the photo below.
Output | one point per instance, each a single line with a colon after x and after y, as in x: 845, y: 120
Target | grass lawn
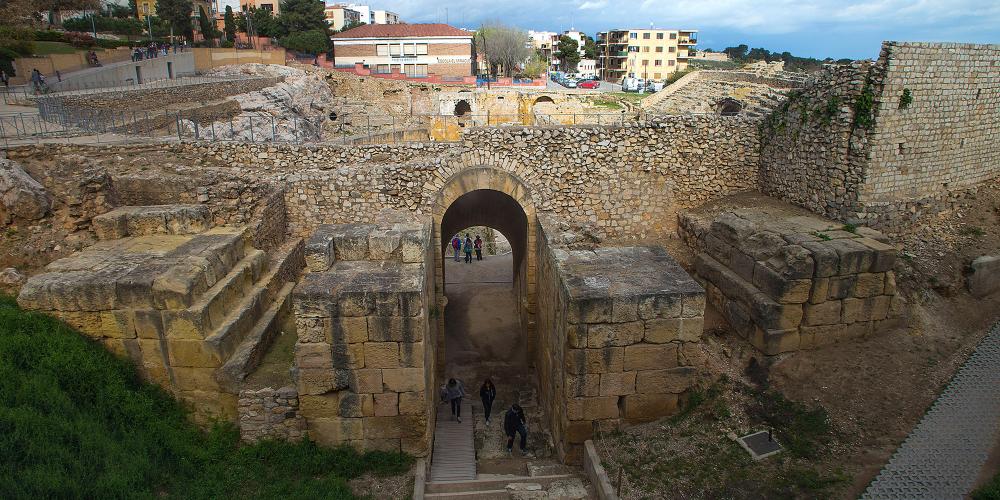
x: 78, y: 422
x: 691, y: 456
x: 988, y: 491
x: 46, y: 48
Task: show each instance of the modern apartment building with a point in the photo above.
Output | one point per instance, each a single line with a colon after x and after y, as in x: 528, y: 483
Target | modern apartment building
x: 416, y: 50
x: 651, y: 54
x: 373, y: 16
x: 271, y: 5
x: 338, y: 16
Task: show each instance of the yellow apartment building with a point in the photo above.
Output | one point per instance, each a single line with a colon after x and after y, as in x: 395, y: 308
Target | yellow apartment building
x: 651, y: 54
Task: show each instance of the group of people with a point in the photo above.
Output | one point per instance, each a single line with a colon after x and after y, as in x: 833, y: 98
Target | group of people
x: 514, y: 421
x: 157, y: 49
x: 38, y: 81
x: 469, y: 245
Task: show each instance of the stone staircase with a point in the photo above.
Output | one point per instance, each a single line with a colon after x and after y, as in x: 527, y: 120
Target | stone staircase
x: 503, y: 486
x: 194, y: 306
x: 702, y: 95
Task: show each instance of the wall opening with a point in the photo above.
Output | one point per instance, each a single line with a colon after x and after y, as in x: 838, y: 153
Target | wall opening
x: 138, y: 75
x: 543, y: 98
x: 463, y: 108
x: 170, y: 70
x: 484, y: 336
x: 729, y: 107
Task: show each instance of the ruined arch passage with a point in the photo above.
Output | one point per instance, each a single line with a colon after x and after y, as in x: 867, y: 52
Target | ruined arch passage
x: 483, y: 196
x: 542, y: 99
x: 483, y: 334
x: 462, y: 108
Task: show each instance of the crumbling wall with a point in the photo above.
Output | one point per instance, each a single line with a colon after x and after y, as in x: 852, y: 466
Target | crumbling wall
x: 270, y: 414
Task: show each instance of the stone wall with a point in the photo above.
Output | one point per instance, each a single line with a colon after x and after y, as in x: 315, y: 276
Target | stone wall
x: 944, y: 141
x: 848, y: 146
x: 365, y: 347
x: 787, y: 280
x: 616, y: 326
x: 158, y: 97
x: 627, y: 181
x: 270, y: 414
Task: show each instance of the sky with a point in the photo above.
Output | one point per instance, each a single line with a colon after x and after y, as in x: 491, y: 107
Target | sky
x: 810, y: 28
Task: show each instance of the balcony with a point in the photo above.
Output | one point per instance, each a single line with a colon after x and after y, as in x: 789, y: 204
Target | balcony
x: 687, y: 41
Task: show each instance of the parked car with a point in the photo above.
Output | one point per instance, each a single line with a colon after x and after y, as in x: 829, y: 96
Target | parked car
x: 588, y: 84
x: 570, y: 83
x: 633, y: 84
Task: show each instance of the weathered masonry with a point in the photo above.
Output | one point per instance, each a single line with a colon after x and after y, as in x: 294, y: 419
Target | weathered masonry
x: 206, y: 247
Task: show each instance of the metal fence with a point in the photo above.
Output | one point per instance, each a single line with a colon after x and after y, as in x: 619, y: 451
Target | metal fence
x: 27, y: 94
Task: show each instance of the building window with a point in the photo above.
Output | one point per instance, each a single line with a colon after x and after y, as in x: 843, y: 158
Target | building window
x: 421, y: 49
x: 645, y: 36
x: 382, y: 50
x: 656, y: 76
x: 409, y: 49
x: 673, y: 36
x: 659, y: 49
x: 395, y: 50
x: 382, y: 69
x: 420, y: 70
x: 671, y: 62
x: 673, y: 49
x: 645, y: 62
x: 633, y: 35
x: 657, y: 63
x: 659, y: 36
x: 267, y: 6
x: 645, y: 48
x: 633, y: 48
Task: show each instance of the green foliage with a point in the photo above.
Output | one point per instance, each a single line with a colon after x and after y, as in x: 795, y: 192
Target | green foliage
x: 677, y: 75
x: 864, y: 108
x: 301, y: 15
x: 117, y: 25
x: 589, y: 47
x: 802, y: 430
x: 206, y: 24
x: 15, y: 42
x: 988, y: 491
x: 744, y: 54
x: 905, y: 99
x: 261, y: 22
x: 229, y: 24
x: 536, y: 66
x: 177, y: 13
x: 308, y: 42
x: 351, y: 25
x: 568, y: 53
x: 78, y: 422
x: 822, y: 236
x: 850, y: 228
x: 830, y: 110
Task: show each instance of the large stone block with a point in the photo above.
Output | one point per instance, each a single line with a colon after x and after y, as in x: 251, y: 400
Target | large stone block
x: 192, y: 353
x: 841, y: 286
x: 693, y: 305
x: 386, y: 404
x: 792, y: 263
x: 350, y: 330
x: 617, y: 384
x: 590, y: 310
x: 350, y: 241
x: 319, y: 253
x: 867, y: 309
x: 668, y: 381
x: 762, y: 245
x: 614, y: 334
x: 624, y: 310
x: 396, y: 328
x: 411, y: 354
x: 576, y: 335
x: 608, y: 359
x: 772, y: 342
x: 731, y: 228
x: 366, y: 380
x: 884, y: 255
x: 381, y: 355
x: 824, y: 313
x: 660, y: 331
x: 781, y: 289
x: 395, y: 427
x: 869, y: 285
x: 647, y: 407
x: 853, y: 257
x: 984, y: 278
x: 314, y: 356
x: 412, y: 403
x: 691, y: 329
x: 825, y: 258
x: 312, y: 330
x: 660, y: 306
x: 403, y: 379
x: 334, y: 431
x: 650, y: 356
x: 383, y: 243
x: 583, y: 385
x: 578, y: 431
x: 598, y: 408
x: 319, y: 381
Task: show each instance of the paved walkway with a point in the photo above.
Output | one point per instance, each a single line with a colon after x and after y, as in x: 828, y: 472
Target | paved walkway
x: 454, y: 456
x: 943, y: 455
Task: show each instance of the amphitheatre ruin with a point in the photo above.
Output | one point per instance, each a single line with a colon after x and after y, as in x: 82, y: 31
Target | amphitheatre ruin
x: 294, y: 275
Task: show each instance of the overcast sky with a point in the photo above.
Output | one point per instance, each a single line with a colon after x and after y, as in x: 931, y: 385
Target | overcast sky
x: 816, y: 28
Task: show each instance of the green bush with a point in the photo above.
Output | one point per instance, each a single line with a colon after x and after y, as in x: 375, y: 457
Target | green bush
x: 310, y: 42
x: 78, y: 422
x: 126, y: 26
x: 988, y: 491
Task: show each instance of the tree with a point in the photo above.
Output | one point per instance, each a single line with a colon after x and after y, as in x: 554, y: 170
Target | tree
x: 134, y: 7
x: 536, y: 66
x: 503, y: 47
x: 241, y: 22
x: 568, y: 53
x: 54, y: 7
x: 738, y: 53
x: 351, y: 25
x: 177, y: 13
x: 589, y: 47
x: 206, y: 24
x: 301, y: 15
x: 229, y: 23
x: 310, y: 42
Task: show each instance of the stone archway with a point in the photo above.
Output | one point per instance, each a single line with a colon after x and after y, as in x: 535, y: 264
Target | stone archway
x: 541, y: 99
x: 729, y: 107
x: 463, y: 108
x: 495, y: 198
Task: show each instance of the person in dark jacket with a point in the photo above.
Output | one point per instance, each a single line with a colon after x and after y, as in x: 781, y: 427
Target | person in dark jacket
x: 514, y: 422
x: 455, y: 391
x: 488, y: 392
x: 468, y: 249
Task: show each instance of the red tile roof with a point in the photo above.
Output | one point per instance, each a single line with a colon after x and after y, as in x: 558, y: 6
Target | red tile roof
x: 402, y: 30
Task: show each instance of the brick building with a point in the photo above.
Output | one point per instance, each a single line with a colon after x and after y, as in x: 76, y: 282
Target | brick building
x: 417, y: 50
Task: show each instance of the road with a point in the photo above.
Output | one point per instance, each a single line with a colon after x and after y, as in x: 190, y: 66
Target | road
x: 551, y: 85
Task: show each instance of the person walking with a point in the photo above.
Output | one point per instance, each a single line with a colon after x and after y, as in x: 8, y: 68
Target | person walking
x: 456, y: 244
x: 479, y: 247
x: 455, y: 392
x: 488, y: 393
x: 514, y: 423
x: 5, y: 78
x: 468, y: 249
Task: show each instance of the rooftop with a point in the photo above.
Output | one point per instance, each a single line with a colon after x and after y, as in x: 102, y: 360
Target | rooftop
x: 402, y: 30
